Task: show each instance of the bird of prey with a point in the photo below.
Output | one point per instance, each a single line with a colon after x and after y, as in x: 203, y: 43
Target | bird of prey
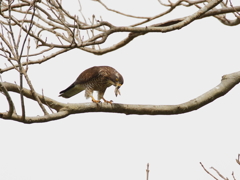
x: 97, y: 78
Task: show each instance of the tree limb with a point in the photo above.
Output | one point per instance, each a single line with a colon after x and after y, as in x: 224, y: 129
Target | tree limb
x: 227, y: 83
x: 9, y: 99
x: 69, y: 30
x: 208, y: 171
x: 38, y: 61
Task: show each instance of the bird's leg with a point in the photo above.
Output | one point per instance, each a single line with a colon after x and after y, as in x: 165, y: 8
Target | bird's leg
x: 94, y: 100
x: 100, y: 96
x: 107, y: 101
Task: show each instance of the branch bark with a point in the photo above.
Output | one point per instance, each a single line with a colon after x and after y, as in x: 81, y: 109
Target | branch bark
x: 62, y: 110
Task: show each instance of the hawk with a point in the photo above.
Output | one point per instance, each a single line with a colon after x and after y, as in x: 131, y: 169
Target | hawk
x: 97, y: 78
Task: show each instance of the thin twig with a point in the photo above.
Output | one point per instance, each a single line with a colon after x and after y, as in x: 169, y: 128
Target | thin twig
x: 238, y: 14
x: 233, y: 176
x: 34, y: 92
x: 208, y: 171
x: 238, y: 159
x: 147, y: 172
x: 9, y: 99
x: 46, y: 103
x: 15, y: 46
x: 219, y: 173
x: 118, y: 12
x: 28, y: 49
x: 39, y: 61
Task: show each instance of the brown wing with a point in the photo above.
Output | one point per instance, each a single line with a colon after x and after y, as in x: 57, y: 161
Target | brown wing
x: 92, y: 73
x: 71, y: 90
x: 77, y: 86
x: 102, y: 72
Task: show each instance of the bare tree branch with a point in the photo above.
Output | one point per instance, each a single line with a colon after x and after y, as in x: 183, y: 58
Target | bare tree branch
x: 218, y: 173
x: 118, y: 12
x: 33, y: 91
x: 147, y: 172
x: 227, y: 83
x: 9, y: 99
x: 39, y: 61
x: 238, y: 159
x: 208, y: 171
x: 234, y: 178
x: 17, y: 57
x: 70, y: 32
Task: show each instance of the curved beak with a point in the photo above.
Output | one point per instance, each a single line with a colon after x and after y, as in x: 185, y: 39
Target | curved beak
x: 117, y: 92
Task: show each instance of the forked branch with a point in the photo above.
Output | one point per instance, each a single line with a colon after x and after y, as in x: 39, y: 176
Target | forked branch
x: 55, y: 29
x: 218, y: 173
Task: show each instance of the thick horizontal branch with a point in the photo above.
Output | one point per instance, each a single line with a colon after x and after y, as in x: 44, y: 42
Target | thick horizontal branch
x: 28, y: 94
x: 227, y: 83
x: 167, y: 24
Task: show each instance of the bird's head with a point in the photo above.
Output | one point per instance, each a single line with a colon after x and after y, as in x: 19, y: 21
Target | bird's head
x: 117, y: 81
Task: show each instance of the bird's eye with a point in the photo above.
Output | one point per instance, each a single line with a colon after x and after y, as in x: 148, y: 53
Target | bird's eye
x: 116, y: 79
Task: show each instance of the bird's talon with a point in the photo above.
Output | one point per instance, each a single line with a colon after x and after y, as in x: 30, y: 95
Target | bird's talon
x: 110, y: 102
x: 96, y: 101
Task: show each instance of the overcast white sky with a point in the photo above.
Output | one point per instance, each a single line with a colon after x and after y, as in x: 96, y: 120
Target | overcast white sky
x: 168, y: 68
